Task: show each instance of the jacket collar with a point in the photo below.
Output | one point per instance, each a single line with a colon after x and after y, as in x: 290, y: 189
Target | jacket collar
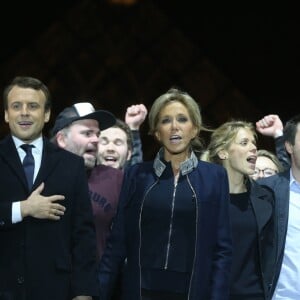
x: 185, y: 167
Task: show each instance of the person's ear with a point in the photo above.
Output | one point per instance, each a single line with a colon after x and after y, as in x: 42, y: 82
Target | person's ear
x: 47, y: 116
x: 194, y: 132
x: 129, y: 153
x: 223, y: 154
x: 289, y: 148
x: 6, y: 116
x: 157, y: 135
x: 60, y: 139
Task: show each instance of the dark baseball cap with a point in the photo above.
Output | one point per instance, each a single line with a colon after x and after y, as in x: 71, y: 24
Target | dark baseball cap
x: 82, y: 111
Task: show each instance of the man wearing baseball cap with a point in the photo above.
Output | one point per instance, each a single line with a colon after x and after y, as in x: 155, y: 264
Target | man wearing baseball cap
x: 77, y: 129
x: 81, y: 111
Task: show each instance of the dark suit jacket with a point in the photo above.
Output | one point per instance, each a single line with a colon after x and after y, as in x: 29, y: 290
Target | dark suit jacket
x: 280, y: 184
x: 262, y: 201
x: 43, y: 259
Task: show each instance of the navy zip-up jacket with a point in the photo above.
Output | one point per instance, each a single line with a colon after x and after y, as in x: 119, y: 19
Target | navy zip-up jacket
x: 213, y: 247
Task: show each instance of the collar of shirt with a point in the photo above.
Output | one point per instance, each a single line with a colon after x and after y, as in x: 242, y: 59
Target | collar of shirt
x: 36, y: 152
x: 294, y: 184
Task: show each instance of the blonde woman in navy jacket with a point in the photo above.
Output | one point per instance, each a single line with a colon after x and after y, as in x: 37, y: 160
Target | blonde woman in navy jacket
x: 233, y: 145
x: 172, y: 228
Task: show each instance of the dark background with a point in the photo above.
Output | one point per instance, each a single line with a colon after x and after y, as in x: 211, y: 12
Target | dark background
x: 237, y: 63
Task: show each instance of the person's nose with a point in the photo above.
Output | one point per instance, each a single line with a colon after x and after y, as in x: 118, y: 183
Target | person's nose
x: 261, y: 174
x: 94, y: 139
x: 253, y: 148
x: 110, y: 147
x: 174, y: 125
x: 24, y: 109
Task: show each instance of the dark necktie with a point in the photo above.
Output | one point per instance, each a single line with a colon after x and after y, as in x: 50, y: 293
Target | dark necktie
x: 28, y: 163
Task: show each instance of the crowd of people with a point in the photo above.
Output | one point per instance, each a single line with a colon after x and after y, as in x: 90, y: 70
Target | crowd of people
x: 83, y: 216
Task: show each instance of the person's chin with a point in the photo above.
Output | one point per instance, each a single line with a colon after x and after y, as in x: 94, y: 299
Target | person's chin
x: 89, y: 162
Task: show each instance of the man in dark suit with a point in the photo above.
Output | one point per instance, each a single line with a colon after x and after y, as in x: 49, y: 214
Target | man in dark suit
x: 286, y: 187
x: 47, y: 234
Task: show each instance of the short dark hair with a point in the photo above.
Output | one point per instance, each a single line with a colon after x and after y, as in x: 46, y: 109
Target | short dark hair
x: 123, y: 126
x: 27, y: 82
x: 290, y: 129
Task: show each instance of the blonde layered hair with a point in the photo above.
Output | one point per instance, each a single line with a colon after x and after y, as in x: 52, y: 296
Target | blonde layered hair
x: 222, y: 137
x: 272, y: 157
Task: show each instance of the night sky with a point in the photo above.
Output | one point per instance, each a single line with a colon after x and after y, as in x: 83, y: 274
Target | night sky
x: 258, y: 49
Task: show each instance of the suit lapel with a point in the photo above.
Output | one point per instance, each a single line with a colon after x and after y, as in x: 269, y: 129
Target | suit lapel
x: 9, y: 154
x: 262, y: 209
x: 282, y: 205
x: 50, y: 159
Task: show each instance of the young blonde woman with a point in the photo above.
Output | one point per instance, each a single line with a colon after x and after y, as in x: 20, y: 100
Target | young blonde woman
x: 233, y: 145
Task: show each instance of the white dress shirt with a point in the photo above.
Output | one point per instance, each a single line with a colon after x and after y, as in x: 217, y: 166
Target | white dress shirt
x: 37, y: 151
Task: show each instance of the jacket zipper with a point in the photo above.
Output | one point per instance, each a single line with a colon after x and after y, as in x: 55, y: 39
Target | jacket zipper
x: 196, y: 203
x: 140, y: 238
x: 196, y: 235
x: 170, y: 226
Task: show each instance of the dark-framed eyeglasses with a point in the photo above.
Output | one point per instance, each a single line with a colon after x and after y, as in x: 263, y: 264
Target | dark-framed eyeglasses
x: 266, y: 172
